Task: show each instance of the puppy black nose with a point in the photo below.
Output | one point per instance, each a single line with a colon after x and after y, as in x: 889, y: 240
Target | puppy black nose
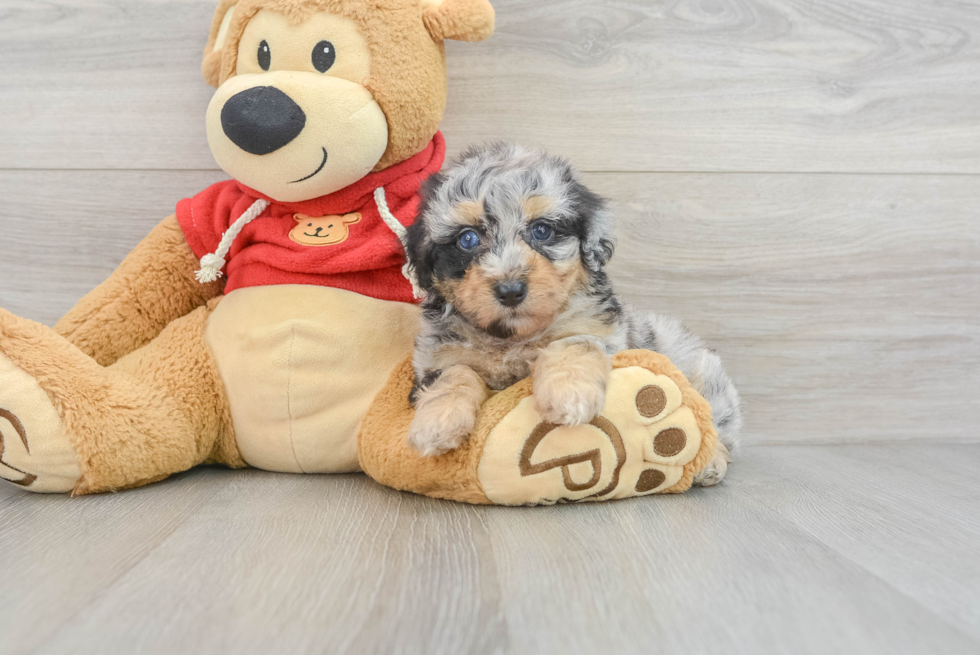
x: 510, y: 294
x: 262, y: 119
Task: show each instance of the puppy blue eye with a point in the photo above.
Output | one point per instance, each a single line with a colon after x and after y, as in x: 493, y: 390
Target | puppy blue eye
x: 469, y: 239
x: 542, y: 231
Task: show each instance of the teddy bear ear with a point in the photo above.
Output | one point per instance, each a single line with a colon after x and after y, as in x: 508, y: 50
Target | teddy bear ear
x: 352, y: 218
x: 461, y: 20
x: 218, y: 39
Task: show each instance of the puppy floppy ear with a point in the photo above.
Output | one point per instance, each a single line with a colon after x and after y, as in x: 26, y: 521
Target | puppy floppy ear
x: 218, y: 39
x: 418, y: 244
x: 460, y: 20
x: 598, y: 241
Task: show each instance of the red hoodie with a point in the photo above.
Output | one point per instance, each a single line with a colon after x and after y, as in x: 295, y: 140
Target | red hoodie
x: 339, y: 240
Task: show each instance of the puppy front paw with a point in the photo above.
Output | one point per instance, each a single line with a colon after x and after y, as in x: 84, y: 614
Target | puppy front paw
x: 570, y: 382
x: 569, y: 401
x: 435, y: 431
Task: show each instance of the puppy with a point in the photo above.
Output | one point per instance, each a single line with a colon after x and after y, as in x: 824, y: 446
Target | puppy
x: 510, y: 250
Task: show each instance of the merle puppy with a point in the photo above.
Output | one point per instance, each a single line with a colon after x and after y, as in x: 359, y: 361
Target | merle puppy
x: 509, y: 250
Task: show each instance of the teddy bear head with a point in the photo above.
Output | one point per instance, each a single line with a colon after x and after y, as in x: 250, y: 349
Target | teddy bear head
x: 312, y: 95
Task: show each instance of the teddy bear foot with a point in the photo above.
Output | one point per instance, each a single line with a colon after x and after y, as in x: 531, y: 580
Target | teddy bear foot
x: 653, y: 436
x: 35, y: 451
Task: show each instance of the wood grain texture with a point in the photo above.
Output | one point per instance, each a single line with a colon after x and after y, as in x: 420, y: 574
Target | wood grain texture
x: 59, y: 557
x: 810, y: 549
x: 304, y: 564
x: 846, y: 307
x: 912, y: 522
x: 638, y: 85
x: 702, y: 573
x: 850, y: 316
x: 66, y: 231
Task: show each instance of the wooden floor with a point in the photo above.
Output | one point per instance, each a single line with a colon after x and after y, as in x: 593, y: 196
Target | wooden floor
x: 805, y: 549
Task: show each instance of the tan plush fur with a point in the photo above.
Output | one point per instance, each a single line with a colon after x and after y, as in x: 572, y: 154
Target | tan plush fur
x: 211, y: 66
x: 388, y: 458
x: 158, y: 410
x: 300, y: 386
x: 461, y: 20
x: 153, y: 286
x: 408, y: 71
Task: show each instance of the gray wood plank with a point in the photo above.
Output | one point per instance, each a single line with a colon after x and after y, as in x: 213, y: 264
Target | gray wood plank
x: 303, y: 564
x: 771, y: 562
x: 708, y: 572
x: 902, y: 522
x: 104, y: 84
x: 748, y: 85
x: 58, y: 556
x: 67, y: 231
x: 939, y: 478
x: 836, y: 300
x: 845, y: 306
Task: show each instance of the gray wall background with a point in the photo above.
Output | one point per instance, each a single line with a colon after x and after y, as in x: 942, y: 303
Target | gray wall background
x: 799, y: 180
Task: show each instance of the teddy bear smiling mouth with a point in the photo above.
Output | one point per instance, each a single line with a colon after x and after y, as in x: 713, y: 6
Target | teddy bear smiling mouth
x: 314, y: 173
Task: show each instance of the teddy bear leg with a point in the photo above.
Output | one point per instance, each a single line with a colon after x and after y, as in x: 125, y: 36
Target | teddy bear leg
x: 35, y: 451
x: 71, y: 425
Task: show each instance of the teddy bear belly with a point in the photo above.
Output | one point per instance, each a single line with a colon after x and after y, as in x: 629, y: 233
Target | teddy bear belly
x: 301, y: 364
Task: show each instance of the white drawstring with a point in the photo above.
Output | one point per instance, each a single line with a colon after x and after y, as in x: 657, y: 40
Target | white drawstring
x: 387, y: 216
x: 401, y: 233
x: 212, y: 264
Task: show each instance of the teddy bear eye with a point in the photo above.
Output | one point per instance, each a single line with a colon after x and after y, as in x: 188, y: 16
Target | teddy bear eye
x: 324, y: 56
x: 265, y: 56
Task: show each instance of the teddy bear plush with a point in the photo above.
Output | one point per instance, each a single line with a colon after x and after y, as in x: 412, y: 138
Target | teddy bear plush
x: 257, y: 325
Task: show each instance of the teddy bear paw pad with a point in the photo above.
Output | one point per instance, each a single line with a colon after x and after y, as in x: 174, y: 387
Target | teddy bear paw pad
x: 35, y: 452
x: 643, y: 442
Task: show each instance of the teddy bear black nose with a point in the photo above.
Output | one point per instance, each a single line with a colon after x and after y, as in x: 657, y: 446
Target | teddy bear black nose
x: 510, y: 294
x: 262, y: 119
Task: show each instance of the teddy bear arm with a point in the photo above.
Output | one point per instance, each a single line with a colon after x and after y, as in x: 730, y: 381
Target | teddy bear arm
x: 153, y: 286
